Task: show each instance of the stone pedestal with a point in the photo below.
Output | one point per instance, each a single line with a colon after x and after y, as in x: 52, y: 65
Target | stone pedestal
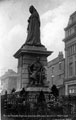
x: 44, y: 89
x: 26, y: 55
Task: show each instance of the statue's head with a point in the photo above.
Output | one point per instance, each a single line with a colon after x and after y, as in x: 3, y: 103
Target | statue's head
x: 38, y: 59
x: 32, y: 9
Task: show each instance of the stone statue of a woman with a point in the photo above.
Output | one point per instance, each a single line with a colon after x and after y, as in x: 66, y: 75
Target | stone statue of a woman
x: 33, y: 30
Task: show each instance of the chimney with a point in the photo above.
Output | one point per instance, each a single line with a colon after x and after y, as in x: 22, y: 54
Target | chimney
x: 60, y: 55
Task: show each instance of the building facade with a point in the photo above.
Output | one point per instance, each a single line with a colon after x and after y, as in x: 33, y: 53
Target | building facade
x: 9, y: 81
x: 56, y: 69
x: 70, y: 55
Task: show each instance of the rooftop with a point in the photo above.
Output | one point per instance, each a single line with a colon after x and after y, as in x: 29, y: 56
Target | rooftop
x: 9, y: 73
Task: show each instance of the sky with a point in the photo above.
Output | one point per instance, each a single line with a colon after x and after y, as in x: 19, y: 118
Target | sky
x: 54, y: 16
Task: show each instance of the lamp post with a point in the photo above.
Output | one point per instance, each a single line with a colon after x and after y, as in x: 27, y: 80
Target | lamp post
x: 52, y: 79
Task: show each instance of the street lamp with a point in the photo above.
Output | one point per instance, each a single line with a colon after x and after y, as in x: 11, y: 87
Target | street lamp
x: 52, y: 79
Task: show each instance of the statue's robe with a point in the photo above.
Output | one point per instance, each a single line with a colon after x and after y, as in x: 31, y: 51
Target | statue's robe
x: 33, y: 37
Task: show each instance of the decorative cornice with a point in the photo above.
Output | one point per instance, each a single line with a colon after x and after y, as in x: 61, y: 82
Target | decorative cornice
x: 32, y: 50
x: 69, y: 37
x: 69, y: 26
x: 70, y: 79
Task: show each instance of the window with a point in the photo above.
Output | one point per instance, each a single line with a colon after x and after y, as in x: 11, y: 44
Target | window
x: 59, y: 65
x: 70, y: 69
x: 52, y: 69
x: 68, y: 51
x: 75, y: 67
x: 74, y: 48
x: 71, y: 49
x: 75, y: 28
x: 70, y: 21
x: 59, y: 76
x: 71, y: 91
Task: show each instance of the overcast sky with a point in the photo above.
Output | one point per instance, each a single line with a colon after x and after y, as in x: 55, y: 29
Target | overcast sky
x: 54, y: 15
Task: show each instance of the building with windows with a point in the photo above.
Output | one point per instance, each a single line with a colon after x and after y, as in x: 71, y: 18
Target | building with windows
x: 56, y: 68
x: 9, y: 81
x: 70, y: 55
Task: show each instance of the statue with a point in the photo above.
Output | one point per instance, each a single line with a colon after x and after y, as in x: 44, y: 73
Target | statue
x: 36, y: 73
x: 33, y: 30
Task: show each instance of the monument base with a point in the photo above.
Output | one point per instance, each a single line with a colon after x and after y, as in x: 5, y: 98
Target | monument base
x: 26, y: 56
x: 44, y: 89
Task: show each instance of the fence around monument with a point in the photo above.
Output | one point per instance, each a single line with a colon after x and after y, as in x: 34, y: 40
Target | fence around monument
x: 31, y: 106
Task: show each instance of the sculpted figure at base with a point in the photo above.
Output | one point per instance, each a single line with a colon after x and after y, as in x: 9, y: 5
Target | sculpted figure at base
x: 36, y: 73
x: 33, y: 30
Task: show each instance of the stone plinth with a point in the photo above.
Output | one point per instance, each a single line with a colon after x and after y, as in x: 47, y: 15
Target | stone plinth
x: 44, y: 89
x: 26, y: 55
